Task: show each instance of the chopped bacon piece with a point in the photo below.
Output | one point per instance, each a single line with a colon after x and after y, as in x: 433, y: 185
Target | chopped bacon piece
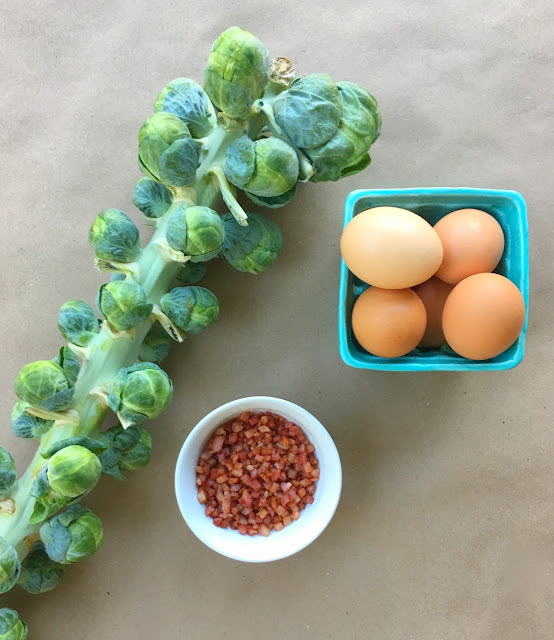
x: 256, y: 474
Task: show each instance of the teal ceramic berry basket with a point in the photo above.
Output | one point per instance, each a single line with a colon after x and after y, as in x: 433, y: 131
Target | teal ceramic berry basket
x: 509, y: 209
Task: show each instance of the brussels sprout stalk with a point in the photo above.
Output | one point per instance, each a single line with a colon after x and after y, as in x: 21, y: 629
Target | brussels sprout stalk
x: 112, y: 266
x: 228, y: 195
x: 167, y: 324
x: 190, y: 157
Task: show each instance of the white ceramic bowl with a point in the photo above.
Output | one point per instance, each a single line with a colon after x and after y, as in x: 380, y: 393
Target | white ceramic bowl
x: 279, y: 544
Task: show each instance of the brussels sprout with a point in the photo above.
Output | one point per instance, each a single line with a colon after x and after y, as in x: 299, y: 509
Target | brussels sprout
x: 151, y: 197
x: 187, y: 100
x: 9, y: 566
x: 8, y: 476
x: 70, y: 473
x: 74, y: 534
x: 237, y: 72
x: 167, y: 152
x: 78, y: 323
x: 191, y: 272
x: 138, y: 392
x: 123, y: 303
x: 275, y: 202
x: 195, y: 231
x: 128, y: 450
x: 266, y: 168
x: 11, y: 627
x: 309, y: 111
x: 155, y: 346
x: 115, y: 237
x: 25, y: 425
x: 38, y: 572
x: 253, y: 248
x: 44, y: 384
x: 359, y: 110
x: 73, y: 470
x: 345, y: 153
x: 178, y: 165
x: 240, y: 161
x: 192, y: 309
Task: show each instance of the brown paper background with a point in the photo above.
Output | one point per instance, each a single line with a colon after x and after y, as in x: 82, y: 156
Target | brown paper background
x: 445, y: 526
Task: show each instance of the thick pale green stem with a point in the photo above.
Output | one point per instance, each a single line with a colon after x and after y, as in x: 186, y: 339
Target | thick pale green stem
x: 107, y: 355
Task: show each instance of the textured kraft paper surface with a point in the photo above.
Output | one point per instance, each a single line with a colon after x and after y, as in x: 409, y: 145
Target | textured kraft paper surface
x: 445, y: 526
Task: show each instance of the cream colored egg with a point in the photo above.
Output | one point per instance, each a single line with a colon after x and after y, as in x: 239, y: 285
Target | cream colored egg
x: 391, y: 248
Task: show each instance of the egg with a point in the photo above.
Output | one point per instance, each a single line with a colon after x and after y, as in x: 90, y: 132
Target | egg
x: 483, y: 316
x: 391, y: 248
x: 433, y: 294
x: 388, y: 322
x: 473, y: 242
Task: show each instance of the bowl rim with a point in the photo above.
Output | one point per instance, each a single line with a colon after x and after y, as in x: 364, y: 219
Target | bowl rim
x: 309, y: 424
x: 510, y: 362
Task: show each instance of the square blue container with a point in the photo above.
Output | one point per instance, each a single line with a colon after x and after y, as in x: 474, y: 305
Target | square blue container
x: 508, y: 207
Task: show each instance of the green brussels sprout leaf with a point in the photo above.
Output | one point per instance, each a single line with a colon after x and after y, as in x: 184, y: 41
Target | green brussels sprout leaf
x: 96, y: 446
x: 10, y: 566
x: 187, y: 100
x: 41, y: 486
x: 68, y: 361
x: 128, y: 450
x: 240, y: 161
x: 254, y: 248
x: 309, y: 111
x: 155, y: 346
x: 274, y: 202
x: 356, y: 167
x: 151, y: 197
x: 25, y: 425
x: 179, y: 162
x: 8, y: 476
x: 359, y: 111
x: 39, y: 573
x: 345, y: 153
x: 11, y: 627
x: 191, y: 273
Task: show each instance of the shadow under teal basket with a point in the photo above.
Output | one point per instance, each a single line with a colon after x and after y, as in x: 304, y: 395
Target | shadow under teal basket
x: 509, y: 209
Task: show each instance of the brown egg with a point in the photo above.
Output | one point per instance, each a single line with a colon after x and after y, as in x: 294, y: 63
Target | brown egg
x: 483, y: 316
x: 391, y: 248
x: 473, y: 242
x: 433, y: 294
x: 388, y: 322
